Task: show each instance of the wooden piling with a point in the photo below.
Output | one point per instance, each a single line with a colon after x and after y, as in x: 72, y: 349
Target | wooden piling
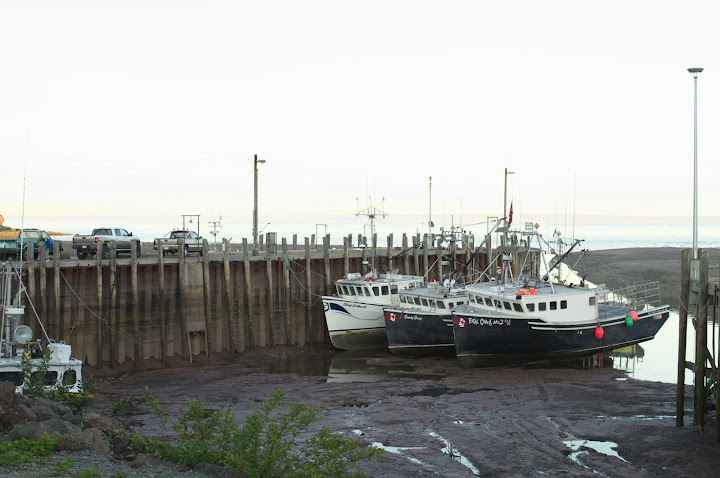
x: 59, y: 319
x: 30, y: 258
x: 390, y: 264
x: 134, y: 307
x: 209, y: 322
x: 162, y: 306
x: 406, y: 256
x: 269, y: 299
x: 346, y: 256
x: 309, y: 337
x: 326, y: 264
x: 701, y: 341
x: 416, y: 256
x: 101, y: 320
x: 187, y: 352
x: 686, y: 255
x: 43, y: 292
x: 249, y: 296
x: 287, y: 315
x: 228, y: 298
x: 112, y: 339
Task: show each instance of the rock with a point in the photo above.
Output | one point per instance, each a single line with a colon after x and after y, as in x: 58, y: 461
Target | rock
x: 143, y: 460
x: 91, y: 439
x: 34, y: 430
x: 124, y: 448
x: 7, y: 393
x: 16, y: 415
x: 44, y: 413
x: 58, y: 408
x: 214, y: 471
x: 20, y: 399
x: 108, y: 425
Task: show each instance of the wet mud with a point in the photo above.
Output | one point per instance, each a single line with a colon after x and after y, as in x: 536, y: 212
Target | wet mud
x: 435, y: 418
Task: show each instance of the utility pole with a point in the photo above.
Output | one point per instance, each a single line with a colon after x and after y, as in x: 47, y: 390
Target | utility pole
x: 255, y: 207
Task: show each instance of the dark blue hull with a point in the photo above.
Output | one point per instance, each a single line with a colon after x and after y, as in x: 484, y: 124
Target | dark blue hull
x: 419, y: 332
x: 491, y: 339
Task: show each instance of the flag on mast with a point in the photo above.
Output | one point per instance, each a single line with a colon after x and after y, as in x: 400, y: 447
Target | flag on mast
x: 510, y: 215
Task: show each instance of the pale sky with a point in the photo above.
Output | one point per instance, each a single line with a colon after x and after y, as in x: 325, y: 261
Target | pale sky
x: 156, y: 108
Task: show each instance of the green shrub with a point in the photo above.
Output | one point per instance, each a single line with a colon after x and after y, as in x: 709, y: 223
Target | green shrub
x: 26, y: 451
x: 62, y: 468
x: 270, y: 443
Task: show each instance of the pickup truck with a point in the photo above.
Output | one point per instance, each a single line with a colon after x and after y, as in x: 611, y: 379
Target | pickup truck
x: 30, y: 238
x: 169, y: 242
x: 88, y: 245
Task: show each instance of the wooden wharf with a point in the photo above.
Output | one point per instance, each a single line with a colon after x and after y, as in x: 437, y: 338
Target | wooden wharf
x: 133, y: 308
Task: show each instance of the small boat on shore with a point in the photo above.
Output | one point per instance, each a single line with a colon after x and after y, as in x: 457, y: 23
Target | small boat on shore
x: 520, y: 320
x: 21, y: 358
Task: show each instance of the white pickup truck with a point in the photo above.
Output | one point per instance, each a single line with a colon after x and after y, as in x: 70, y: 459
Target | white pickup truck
x: 101, y: 237
x: 170, y: 242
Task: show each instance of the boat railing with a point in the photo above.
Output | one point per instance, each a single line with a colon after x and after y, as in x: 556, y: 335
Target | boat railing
x: 635, y: 297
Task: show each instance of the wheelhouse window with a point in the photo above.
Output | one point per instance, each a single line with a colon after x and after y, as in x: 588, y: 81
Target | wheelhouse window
x: 507, y: 306
x: 530, y: 307
x: 417, y: 300
x: 385, y: 290
x: 542, y: 306
x: 592, y: 302
x: 393, y: 289
x: 553, y: 305
x: 424, y: 302
x: 563, y: 304
x: 69, y: 377
x: 472, y: 298
x: 376, y: 291
x: 517, y: 306
x: 441, y: 304
x: 402, y: 299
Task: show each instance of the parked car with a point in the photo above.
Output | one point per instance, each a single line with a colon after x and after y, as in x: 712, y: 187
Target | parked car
x: 170, y: 242
x: 101, y: 237
x: 30, y: 238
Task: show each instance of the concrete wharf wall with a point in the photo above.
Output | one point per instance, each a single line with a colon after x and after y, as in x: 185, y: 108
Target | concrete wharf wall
x: 121, y: 309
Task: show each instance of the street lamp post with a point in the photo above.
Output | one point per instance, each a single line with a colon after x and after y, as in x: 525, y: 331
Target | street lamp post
x: 695, y: 72
x: 255, y: 207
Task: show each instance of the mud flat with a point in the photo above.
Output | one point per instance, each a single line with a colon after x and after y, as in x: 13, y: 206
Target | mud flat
x: 436, y: 418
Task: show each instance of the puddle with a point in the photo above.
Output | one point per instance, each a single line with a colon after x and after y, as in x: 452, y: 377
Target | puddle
x: 398, y: 450
x: 604, y: 447
x: 455, y: 454
x: 436, y: 392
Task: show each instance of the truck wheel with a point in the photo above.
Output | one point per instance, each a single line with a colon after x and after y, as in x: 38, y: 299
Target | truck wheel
x: 82, y: 255
x: 106, y: 252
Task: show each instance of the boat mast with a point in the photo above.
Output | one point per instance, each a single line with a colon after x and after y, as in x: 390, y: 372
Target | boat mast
x: 371, y: 212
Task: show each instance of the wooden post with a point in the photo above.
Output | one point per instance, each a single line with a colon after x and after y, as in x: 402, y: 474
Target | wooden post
x: 187, y: 351
x: 309, y: 338
x: 346, y: 256
x: 134, y: 305
x: 102, y: 328
x: 682, y: 336
x: 326, y: 261
x: 30, y: 258
x: 701, y: 341
x: 426, y: 260
x: 209, y: 330
x: 113, y: 302
x: 294, y: 242
x: 163, y: 308
x: 416, y: 256
x: 286, y: 301
x: 406, y: 256
x: 363, y: 260
x: 270, y: 299
x: 228, y: 296
x: 390, y: 265
x: 59, y: 320
x: 43, y: 291
x: 249, y: 296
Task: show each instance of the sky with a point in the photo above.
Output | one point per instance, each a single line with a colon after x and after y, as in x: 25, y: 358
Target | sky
x: 112, y: 110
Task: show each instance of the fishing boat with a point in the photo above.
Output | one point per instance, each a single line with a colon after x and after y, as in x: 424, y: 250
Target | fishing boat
x: 522, y: 320
x: 21, y: 357
x: 354, y: 315
x: 422, y: 323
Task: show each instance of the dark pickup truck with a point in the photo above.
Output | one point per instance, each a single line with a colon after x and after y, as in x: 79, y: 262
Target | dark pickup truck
x: 26, y: 239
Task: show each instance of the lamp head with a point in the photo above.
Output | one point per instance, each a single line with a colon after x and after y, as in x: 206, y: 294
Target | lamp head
x: 695, y: 71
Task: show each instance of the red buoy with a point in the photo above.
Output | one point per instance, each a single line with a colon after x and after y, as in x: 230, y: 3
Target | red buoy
x: 599, y: 332
x: 634, y: 315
